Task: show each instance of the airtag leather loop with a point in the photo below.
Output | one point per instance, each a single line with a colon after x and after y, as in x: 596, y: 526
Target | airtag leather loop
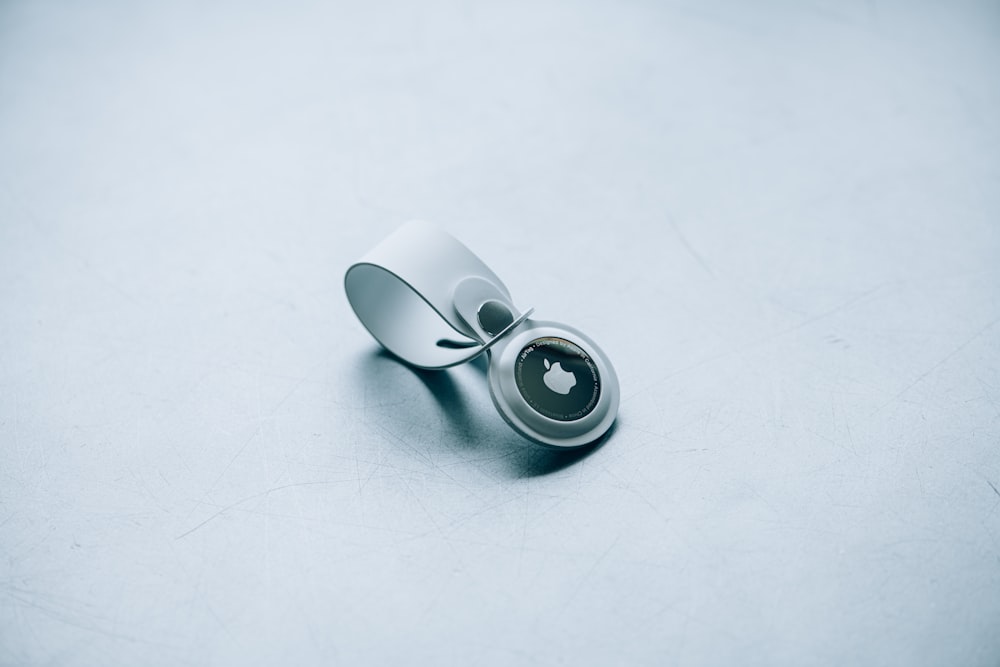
x: 434, y: 304
x: 417, y: 292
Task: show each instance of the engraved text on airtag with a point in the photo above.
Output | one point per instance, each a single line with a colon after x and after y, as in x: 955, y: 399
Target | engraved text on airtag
x: 557, y: 378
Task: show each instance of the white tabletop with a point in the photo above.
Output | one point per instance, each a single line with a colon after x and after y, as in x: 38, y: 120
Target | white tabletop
x: 780, y: 220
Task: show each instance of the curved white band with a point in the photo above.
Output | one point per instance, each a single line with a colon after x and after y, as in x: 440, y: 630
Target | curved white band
x: 418, y: 293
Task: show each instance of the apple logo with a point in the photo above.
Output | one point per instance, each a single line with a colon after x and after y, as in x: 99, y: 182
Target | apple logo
x: 557, y: 379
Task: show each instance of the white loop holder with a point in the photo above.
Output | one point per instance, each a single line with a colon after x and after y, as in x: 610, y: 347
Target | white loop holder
x: 433, y: 303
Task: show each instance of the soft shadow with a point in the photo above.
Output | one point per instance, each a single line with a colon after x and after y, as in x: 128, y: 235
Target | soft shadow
x: 481, y: 364
x: 538, y: 461
x: 508, y: 453
x: 451, y: 399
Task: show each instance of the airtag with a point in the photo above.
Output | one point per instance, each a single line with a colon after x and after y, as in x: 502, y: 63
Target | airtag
x: 571, y: 401
x: 434, y: 304
x: 557, y: 378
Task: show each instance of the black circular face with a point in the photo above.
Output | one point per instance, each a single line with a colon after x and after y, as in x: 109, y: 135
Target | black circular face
x: 557, y: 378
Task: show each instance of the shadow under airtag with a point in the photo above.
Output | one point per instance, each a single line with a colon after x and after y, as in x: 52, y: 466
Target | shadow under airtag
x: 444, y: 389
x: 516, y: 456
x: 481, y: 364
x: 540, y: 461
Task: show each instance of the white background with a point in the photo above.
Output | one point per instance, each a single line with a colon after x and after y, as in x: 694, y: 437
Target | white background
x: 781, y: 220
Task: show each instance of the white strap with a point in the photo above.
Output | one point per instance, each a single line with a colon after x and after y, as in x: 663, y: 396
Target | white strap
x: 419, y: 293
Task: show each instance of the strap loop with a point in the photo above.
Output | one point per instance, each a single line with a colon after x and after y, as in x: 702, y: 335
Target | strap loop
x: 418, y: 293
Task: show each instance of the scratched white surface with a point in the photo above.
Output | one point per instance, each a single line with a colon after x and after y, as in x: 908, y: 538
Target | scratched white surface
x: 781, y: 220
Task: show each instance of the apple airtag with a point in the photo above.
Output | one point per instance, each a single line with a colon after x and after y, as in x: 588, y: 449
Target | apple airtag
x: 557, y: 378
x: 433, y: 303
x: 553, y: 384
